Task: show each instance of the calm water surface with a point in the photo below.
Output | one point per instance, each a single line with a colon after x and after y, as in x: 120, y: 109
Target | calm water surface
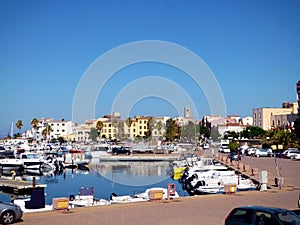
x: 124, y: 178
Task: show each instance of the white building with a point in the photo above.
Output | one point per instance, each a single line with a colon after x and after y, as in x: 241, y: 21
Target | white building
x: 59, y: 128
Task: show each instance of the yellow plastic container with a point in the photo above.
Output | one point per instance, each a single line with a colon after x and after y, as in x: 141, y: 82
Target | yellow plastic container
x: 60, y: 203
x: 229, y: 188
x: 155, y: 194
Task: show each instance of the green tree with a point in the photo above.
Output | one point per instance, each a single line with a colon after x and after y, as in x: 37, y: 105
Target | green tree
x: 151, y: 126
x: 188, y: 131
x: 172, y: 131
x: 281, y: 137
x: 120, y: 130
x: 99, y: 127
x: 204, y: 132
x: 215, y: 135
x: 61, y: 140
x: 93, y: 134
x: 19, y: 125
x: 159, y: 126
x: 47, y: 131
x: 233, y: 146
x: 128, y: 122
x: 34, y: 124
x: 231, y: 134
x: 114, y: 124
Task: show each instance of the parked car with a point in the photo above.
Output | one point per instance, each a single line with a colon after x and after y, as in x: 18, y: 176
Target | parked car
x: 9, y: 212
x: 290, y: 152
x: 256, y: 215
x: 250, y: 151
x: 262, y: 152
x: 296, y: 156
x: 120, y: 150
x: 224, y: 148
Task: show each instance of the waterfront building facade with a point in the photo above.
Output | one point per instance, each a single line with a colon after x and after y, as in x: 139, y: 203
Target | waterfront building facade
x: 269, y: 118
x: 59, y: 128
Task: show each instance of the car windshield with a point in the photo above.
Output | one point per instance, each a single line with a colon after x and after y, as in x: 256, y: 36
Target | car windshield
x: 288, y: 218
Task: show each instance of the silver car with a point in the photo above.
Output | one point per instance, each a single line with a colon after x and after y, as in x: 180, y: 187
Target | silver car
x: 9, y: 212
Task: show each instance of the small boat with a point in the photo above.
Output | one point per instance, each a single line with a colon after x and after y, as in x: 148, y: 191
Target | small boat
x: 86, y: 198
x: 147, y: 194
x: 213, y: 181
x: 11, y: 164
x: 31, y: 160
x: 115, y: 199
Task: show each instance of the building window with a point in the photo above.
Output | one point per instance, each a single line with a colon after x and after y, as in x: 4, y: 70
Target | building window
x: 140, y: 127
x: 63, y: 131
x: 63, y: 124
x: 145, y: 127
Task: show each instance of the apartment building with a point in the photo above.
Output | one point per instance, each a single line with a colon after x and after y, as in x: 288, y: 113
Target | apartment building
x: 268, y: 118
x: 59, y: 128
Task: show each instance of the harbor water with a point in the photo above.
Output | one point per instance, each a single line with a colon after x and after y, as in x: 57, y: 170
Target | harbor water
x: 122, y: 178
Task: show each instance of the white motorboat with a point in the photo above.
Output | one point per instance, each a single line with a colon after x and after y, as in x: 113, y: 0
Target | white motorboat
x: 115, y: 199
x: 212, y: 181
x: 147, y: 193
x: 31, y: 160
x: 11, y: 164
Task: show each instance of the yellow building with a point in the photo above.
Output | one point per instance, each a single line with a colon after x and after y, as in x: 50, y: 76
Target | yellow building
x: 265, y: 117
x: 139, y: 127
x: 110, y: 129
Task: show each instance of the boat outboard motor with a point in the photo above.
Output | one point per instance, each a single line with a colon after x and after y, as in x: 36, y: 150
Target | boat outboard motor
x: 56, y: 165
x: 61, y: 165
x: 113, y: 195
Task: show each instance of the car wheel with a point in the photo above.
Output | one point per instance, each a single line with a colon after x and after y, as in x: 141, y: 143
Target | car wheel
x: 7, y: 217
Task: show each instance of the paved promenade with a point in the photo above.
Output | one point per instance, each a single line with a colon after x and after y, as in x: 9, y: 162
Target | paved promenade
x: 208, y: 209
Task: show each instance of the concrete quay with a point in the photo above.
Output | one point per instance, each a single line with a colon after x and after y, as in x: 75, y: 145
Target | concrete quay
x: 205, y: 209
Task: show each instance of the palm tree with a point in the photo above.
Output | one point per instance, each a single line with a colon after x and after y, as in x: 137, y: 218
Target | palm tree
x: 128, y: 122
x: 19, y: 125
x: 159, y: 127
x: 115, y: 123
x: 47, y: 131
x: 34, y: 123
x: 120, y: 130
x: 151, y: 126
x: 99, y: 126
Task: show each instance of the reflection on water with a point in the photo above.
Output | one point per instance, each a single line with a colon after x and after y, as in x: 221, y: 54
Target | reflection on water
x: 123, y: 178
x: 132, y: 173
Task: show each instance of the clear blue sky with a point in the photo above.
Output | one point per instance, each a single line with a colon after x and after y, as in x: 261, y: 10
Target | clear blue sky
x: 252, y: 47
